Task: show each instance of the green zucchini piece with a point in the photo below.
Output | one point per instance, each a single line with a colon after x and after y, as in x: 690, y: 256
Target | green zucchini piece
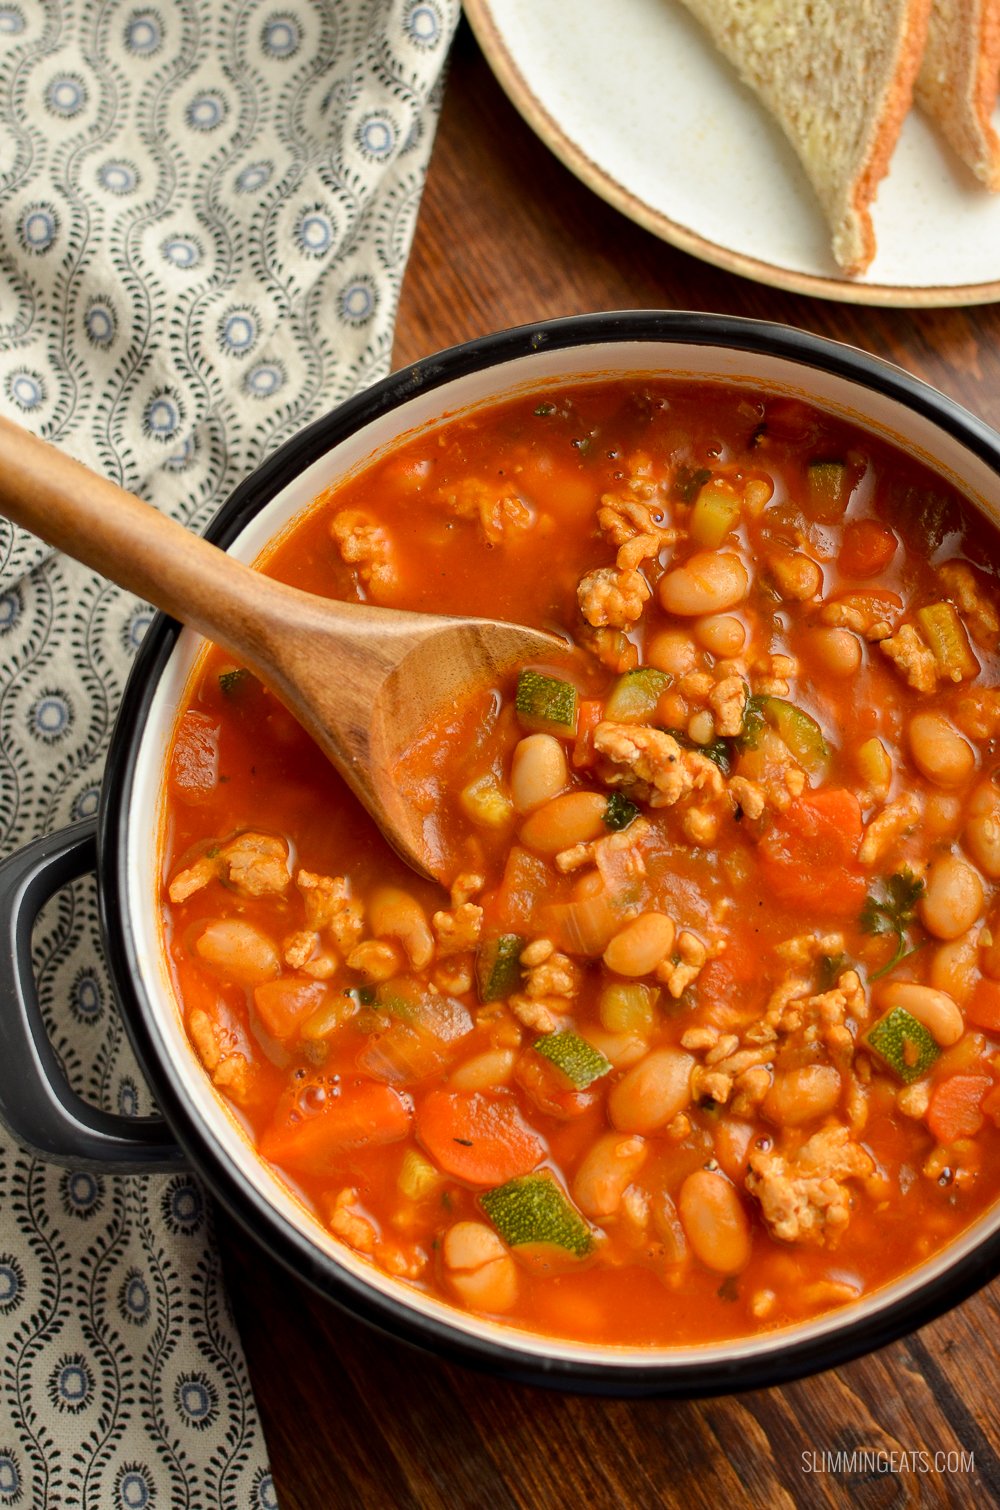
x: 829, y: 488
x: 498, y: 966
x: 944, y: 632
x: 546, y: 705
x: 619, y: 812
x: 574, y: 1057
x: 716, y: 511
x: 800, y: 732
x: 533, y: 1209
x: 231, y: 682
x: 902, y: 1043
x: 634, y: 695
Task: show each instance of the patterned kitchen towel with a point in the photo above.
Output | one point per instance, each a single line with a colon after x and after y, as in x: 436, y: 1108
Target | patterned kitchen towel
x: 205, y: 211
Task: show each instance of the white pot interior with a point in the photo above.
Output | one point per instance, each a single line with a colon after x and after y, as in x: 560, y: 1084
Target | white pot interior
x: 546, y: 368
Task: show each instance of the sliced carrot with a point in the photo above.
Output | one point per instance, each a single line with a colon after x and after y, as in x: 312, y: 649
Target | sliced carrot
x: 955, y: 1107
x: 983, y: 1007
x: 867, y: 548
x: 589, y: 715
x: 356, y: 1114
x: 991, y: 1105
x: 807, y: 856
x: 477, y: 1137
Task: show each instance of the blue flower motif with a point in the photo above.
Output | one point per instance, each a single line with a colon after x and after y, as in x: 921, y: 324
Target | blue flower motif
x: 11, y: 608
x: 82, y: 1192
x: 10, y: 1471
x: 422, y: 24
x: 357, y: 302
x: 133, y: 1298
x: 51, y: 716
x: 206, y: 111
x: 264, y: 1496
x: 25, y: 389
x: 86, y: 998
x: 264, y: 380
x: 161, y: 417
x: 66, y: 95
x: 182, y: 251
x: 143, y: 33
x: 11, y: 1284
x: 118, y: 176
x: 281, y: 35
x: 376, y: 135
x: 253, y: 177
x: 100, y: 322
x: 85, y: 803
x: 71, y: 1384
x: 197, y: 1400
x: 134, y: 1488
x: 181, y: 459
x: 182, y: 1206
x: 11, y: 20
x: 238, y: 330
x: 314, y: 232
x: 38, y: 228
x: 128, y: 1097
x: 134, y: 631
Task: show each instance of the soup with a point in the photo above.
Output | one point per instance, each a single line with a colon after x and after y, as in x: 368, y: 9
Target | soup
x: 704, y: 1038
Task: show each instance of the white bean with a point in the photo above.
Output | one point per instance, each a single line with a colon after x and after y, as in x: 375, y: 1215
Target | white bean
x: 715, y: 1222
x: 953, y: 897
x: 935, y: 1009
x: 573, y: 818
x: 607, y: 1169
x: 483, y: 1071
x: 478, y: 1267
x: 953, y: 966
x: 802, y: 1094
x: 393, y: 913
x: 239, y: 949
x: 982, y: 829
x: 640, y: 946
x: 673, y: 651
x: 538, y: 771
x: 721, y: 634
x: 709, y: 582
x: 939, y: 751
x: 652, y: 1092
x: 837, y: 650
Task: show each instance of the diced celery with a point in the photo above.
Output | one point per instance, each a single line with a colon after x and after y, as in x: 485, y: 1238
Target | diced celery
x: 417, y: 1176
x: 574, y: 1057
x: 829, y: 488
x: 534, y: 1210
x: 498, y: 968
x: 801, y: 733
x: 486, y: 803
x: 628, y: 1007
x: 875, y: 765
x: 716, y: 511
x: 903, y: 1043
x: 619, y: 812
x: 546, y: 704
x: 945, y: 633
x: 635, y: 695
x: 432, y: 1012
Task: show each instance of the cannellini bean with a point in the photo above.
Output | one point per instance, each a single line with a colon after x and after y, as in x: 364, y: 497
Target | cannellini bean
x: 937, y: 1011
x: 715, y: 1223
x: 393, y: 913
x: 837, y: 650
x: 732, y: 1146
x: 621, y: 1049
x: 538, y: 772
x: 798, y: 576
x: 243, y: 951
x: 573, y: 818
x: 652, y: 1092
x: 673, y: 651
x: 721, y: 634
x: 953, y: 966
x: 478, y: 1267
x: 709, y: 582
x: 607, y: 1169
x: 989, y: 955
x: 939, y: 751
x: 483, y: 1071
x: 953, y: 897
x: 942, y: 811
x: 802, y: 1094
x: 982, y: 829
x: 640, y: 946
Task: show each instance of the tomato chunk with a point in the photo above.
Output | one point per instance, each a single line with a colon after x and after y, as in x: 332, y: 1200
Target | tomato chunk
x: 808, y: 855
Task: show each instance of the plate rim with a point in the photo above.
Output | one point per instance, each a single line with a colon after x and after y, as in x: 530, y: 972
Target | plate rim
x: 491, y: 39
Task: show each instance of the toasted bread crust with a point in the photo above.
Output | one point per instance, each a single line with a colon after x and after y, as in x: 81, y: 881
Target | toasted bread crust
x: 958, y: 82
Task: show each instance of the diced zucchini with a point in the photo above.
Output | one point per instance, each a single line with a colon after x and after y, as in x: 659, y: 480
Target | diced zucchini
x: 486, y: 803
x: 945, y: 633
x: 801, y: 734
x: 619, y: 812
x: 546, y: 705
x: 628, y: 1007
x: 234, y: 681
x: 716, y: 511
x: 635, y: 695
x: 574, y: 1057
x: 417, y: 1176
x: 498, y: 967
x: 903, y: 1043
x: 533, y: 1210
x: 875, y: 765
x: 829, y: 488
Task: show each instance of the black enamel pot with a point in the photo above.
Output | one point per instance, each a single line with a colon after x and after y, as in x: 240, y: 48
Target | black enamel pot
x: 46, y: 1116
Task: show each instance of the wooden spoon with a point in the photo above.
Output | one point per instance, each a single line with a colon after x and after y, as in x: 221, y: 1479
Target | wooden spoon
x: 363, y: 681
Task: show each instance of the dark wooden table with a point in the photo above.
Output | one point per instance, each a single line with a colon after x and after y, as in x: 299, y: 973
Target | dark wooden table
x: 507, y: 235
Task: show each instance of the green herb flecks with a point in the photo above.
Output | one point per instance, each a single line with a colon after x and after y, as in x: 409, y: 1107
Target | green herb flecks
x: 891, y: 913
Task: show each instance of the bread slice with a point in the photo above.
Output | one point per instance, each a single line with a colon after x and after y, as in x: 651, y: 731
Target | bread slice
x: 959, y: 79
x: 838, y: 75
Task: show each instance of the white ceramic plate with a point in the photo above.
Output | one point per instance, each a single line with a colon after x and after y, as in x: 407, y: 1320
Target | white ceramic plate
x: 633, y: 98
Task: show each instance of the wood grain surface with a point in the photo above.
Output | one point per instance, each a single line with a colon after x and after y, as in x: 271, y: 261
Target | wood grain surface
x: 352, y: 1419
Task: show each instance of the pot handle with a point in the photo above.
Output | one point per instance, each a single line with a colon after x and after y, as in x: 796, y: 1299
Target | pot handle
x: 37, y: 1105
